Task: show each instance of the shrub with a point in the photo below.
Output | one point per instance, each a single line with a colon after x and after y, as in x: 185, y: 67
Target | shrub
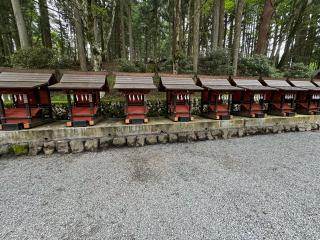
x: 297, y: 70
x: 115, y: 109
x: 217, y: 63
x: 276, y: 73
x: 4, y: 61
x: 33, y: 58
x: 257, y: 65
x: 184, y: 65
x: 64, y: 63
x: 127, y: 66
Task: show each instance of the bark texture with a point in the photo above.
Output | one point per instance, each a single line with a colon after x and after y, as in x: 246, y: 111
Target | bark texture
x: 237, y: 35
x: 176, y: 36
x: 261, y: 47
x: 80, y: 39
x: 21, y: 25
x: 45, y: 24
x: 196, y: 35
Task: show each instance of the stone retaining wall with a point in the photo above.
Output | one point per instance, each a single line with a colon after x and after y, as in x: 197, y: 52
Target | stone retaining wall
x: 93, y: 144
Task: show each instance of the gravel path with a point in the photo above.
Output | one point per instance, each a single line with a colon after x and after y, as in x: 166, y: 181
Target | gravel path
x: 264, y: 187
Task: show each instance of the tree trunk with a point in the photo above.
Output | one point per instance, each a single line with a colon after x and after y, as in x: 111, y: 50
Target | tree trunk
x: 275, y: 40
x: 45, y: 24
x: 107, y: 40
x: 131, y: 50
x: 190, y: 31
x: 243, y: 36
x: 296, y: 21
x: 231, y: 30
x: 176, y: 36
x: 196, y: 35
x: 312, y: 38
x: 80, y: 39
x: 300, y: 42
x: 62, y: 40
x: 96, y: 45
x: 277, y: 54
x: 215, y: 25
x: 3, y: 49
x: 221, y: 25
x: 23, y: 36
x: 122, y: 31
x: 261, y: 47
x: 237, y: 35
x: 156, y: 36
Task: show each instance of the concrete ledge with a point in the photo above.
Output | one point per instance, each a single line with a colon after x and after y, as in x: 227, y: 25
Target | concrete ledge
x: 56, y: 137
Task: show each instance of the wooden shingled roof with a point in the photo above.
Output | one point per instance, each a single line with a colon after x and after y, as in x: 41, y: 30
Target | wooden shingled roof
x: 250, y: 84
x: 217, y: 84
x: 306, y: 84
x: 280, y: 84
x: 26, y: 80
x: 178, y: 83
x: 134, y: 83
x: 82, y: 81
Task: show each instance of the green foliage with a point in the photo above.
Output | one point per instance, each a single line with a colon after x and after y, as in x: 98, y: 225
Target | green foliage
x: 157, y: 108
x: 217, y: 63
x: 19, y: 150
x: 257, y: 65
x: 127, y: 66
x: 63, y: 63
x: 115, y: 109
x: 5, y: 61
x: 297, y: 70
x: 33, y: 58
x: 184, y: 65
x: 276, y: 73
x: 229, y: 5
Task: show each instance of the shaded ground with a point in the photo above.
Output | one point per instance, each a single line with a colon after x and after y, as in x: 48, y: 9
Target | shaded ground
x: 264, y: 187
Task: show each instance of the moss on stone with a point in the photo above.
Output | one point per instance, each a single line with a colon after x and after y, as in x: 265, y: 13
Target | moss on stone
x: 20, y: 149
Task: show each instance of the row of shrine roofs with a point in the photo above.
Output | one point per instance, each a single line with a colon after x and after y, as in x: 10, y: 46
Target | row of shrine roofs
x: 25, y: 96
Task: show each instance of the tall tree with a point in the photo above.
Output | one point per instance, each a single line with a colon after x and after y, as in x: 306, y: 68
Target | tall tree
x: 23, y: 36
x: 79, y: 29
x: 196, y: 34
x: 221, y: 24
x: 93, y: 34
x: 261, y: 47
x: 45, y: 24
x: 131, y: 49
x: 237, y: 35
x: 231, y: 30
x: 190, y: 30
x: 215, y: 25
x: 293, y: 26
x: 109, y: 31
x: 176, y: 36
x: 122, y: 30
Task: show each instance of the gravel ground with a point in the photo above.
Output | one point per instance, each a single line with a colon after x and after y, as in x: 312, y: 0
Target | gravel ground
x: 264, y: 187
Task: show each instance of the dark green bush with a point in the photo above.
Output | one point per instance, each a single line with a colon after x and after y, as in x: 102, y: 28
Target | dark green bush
x: 115, y: 109
x: 157, y: 108
x: 276, y: 73
x: 33, y: 58
x: 127, y: 66
x: 64, y: 63
x: 297, y: 70
x: 184, y: 65
x: 112, y: 109
x: 5, y: 61
x: 217, y: 63
x: 257, y: 65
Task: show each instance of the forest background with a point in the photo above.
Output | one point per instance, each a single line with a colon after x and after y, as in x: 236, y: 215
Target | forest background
x: 278, y: 38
